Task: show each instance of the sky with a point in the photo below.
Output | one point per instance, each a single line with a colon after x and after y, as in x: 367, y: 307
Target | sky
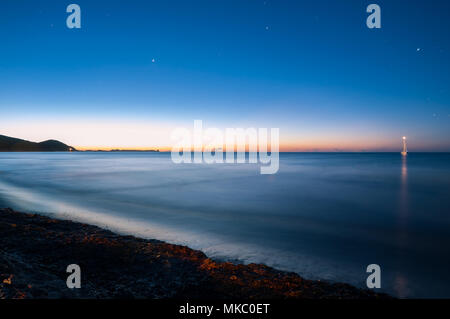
x: 136, y: 70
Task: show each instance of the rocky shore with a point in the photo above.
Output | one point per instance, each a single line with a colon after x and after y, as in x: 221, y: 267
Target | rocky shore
x: 35, y: 251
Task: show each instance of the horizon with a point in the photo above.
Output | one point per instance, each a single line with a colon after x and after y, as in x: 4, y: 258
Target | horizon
x: 163, y: 149
x: 168, y: 149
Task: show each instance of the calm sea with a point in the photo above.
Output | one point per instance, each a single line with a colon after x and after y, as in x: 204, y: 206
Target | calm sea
x: 323, y: 215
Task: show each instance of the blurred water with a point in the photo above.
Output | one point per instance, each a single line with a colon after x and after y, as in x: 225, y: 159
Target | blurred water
x: 323, y: 215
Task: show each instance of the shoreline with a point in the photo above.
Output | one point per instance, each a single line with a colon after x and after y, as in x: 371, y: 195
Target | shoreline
x: 36, y: 250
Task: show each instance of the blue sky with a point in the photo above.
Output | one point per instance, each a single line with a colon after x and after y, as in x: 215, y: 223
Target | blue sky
x: 313, y: 69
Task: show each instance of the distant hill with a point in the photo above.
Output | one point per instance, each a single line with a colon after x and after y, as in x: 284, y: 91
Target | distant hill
x: 11, y: 144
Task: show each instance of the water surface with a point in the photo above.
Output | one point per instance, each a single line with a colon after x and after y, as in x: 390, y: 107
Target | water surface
x: 323, y: 215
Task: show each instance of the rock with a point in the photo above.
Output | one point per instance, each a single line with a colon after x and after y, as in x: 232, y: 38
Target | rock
x: 36, y: 251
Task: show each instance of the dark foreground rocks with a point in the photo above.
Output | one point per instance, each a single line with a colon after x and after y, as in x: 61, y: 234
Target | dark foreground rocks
x: 35, y: 251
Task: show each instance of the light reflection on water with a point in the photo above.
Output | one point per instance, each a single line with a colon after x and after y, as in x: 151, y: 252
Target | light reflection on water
x: 323, y: 215
x: 401, y: 283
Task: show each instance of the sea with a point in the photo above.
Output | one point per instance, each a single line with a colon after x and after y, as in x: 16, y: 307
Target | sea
x: 325, y: 216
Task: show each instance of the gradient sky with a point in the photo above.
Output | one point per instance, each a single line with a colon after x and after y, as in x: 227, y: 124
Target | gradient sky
x: 138, y: 69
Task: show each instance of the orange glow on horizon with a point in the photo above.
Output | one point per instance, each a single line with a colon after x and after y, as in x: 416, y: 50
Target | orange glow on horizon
x: 103, y: 148
x: 147, y: 135
x: 284, y: 147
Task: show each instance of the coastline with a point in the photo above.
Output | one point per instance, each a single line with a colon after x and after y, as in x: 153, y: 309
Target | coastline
x: 36, y: 250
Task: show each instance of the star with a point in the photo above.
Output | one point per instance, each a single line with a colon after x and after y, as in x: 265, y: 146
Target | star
x: 418, y: 49
x: 153, y: 60
x: 267, y: 27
